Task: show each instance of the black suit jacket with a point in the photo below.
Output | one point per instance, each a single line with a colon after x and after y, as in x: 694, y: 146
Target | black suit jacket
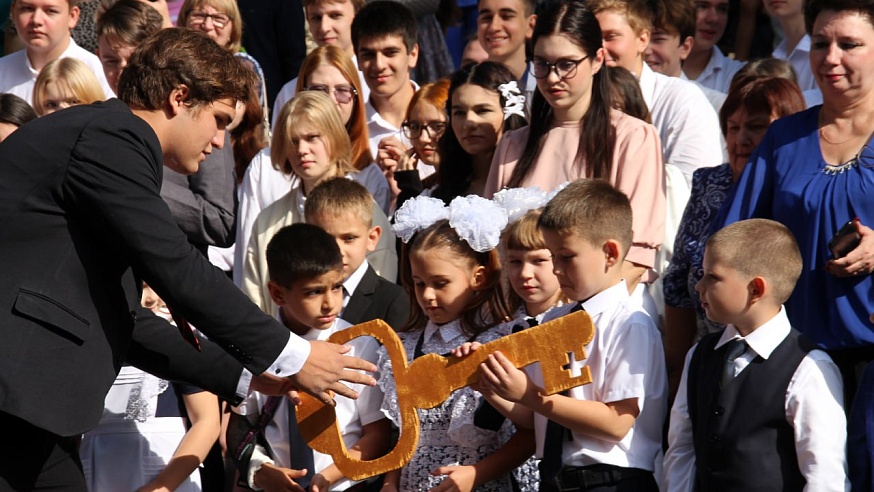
x: 81, y: 224
x: 377, y: 298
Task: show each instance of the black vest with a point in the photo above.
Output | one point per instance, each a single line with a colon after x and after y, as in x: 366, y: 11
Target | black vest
x: 742, y: 439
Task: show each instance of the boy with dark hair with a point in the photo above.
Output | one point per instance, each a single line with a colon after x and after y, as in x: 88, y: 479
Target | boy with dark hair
x: 344, y: 209
x: 605, y: 435
x: 759, y: 407
x: 307, y: 285
x: 384, y: 34
x: 706, y: 64
x: 504, y: 28
x: 120, y: 30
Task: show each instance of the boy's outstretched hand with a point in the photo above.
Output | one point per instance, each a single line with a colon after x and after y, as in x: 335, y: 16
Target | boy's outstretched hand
x: 275, y: 479
x: 501, y: 377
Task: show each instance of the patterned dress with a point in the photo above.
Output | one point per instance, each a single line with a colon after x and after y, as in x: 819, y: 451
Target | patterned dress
x: 710, y: 185
x: 448, y: 436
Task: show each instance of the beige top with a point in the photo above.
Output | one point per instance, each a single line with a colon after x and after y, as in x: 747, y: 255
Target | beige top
x: 637, y: 171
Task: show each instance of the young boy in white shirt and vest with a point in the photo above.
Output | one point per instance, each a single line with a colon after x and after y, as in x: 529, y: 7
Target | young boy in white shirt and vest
x: 759, y: 407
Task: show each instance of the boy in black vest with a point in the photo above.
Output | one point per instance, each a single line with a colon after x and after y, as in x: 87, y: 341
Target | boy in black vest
x: 759, y: 408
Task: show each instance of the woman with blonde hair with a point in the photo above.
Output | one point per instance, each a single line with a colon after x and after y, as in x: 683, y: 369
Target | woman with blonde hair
x: 218, y: 19
x: 63, y: 83
x: 311, y: 145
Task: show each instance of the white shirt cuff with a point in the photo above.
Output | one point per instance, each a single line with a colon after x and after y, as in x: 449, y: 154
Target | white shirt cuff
x: 259, y: 459
x: 289, y: 363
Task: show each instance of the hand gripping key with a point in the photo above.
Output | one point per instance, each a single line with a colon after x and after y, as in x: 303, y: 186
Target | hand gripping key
x: 430, y: 379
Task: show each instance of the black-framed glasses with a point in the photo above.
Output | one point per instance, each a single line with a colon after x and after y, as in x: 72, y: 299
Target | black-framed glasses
x: 218, y: 20
x: 342, y: 93
x: 564, y: 68
x: 413, y: 129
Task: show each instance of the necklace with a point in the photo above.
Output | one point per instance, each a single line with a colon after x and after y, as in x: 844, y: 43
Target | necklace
x: 832, y: 142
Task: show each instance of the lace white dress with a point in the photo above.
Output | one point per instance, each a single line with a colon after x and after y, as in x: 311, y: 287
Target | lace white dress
x: 448, y: 436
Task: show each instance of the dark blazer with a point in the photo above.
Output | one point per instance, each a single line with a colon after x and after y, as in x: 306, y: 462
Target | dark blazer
x: 377, y: 298
x: 82, y: 223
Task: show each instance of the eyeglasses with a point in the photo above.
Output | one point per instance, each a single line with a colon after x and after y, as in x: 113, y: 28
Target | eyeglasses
x: 342, y: 93
x: 218, y: 20
x: 413, y: 129
x: 565, y: 68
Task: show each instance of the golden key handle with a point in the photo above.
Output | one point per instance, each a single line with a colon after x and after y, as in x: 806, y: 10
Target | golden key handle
x: 430, y: 379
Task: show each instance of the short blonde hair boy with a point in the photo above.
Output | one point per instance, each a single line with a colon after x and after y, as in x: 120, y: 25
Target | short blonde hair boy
x: 637, y: 13
x: 339, y: 196
x: 316, y: 109
x: 591, y: 209
x: 760, y: 248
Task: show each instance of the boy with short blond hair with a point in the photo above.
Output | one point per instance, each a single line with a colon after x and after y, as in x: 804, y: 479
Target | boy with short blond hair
x: 44, y: 27
x: 306, y: 284
x: 687, y: 124
x: 604, y: 435
x: 759, y: 407
x: 344, y: 209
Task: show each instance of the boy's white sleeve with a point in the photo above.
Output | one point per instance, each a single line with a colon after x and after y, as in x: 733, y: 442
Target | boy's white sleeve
x: 259, y: 459
x: 814, y: 408
x: 680, y: 457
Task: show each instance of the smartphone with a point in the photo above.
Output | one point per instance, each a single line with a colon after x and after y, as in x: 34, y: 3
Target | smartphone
x: 844, y: 241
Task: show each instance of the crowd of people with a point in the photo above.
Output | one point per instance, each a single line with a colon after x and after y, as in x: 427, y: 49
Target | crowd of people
x: 694, y: 175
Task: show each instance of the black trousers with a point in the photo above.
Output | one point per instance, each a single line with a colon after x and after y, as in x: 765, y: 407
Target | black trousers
x: 35, y: 459
x: 641, y: 483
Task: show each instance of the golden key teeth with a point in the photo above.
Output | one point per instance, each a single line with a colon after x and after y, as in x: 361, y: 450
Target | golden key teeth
x: 547, y: 343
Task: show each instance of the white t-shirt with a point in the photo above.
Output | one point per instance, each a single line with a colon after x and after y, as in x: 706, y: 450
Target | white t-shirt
x: 626, y: 360
x: 17, y: 75
x: 799, y: 58
x: 719, y: 71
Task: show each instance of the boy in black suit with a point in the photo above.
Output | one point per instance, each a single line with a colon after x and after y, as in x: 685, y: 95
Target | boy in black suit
x: 344, y: 209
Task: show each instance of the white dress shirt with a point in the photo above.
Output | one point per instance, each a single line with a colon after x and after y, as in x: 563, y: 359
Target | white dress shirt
x: 719, y: 71
x: 799, y: 58
x: 814, y: 408
x: 352, y: 415
x: 626, y: 360
x: 351, y: 283
x: 17, y: 75
x: 687, y: 124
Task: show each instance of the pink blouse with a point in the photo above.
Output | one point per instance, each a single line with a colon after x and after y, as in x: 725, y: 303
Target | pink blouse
x: 637, y: 171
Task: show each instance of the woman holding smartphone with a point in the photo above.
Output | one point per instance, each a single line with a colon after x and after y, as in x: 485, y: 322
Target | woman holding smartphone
x: 814, y: 172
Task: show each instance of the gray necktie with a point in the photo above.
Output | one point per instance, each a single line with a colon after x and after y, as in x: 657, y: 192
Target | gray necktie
x: 733, y: 350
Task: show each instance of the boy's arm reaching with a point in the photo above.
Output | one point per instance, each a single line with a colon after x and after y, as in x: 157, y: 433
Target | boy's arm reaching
x: 606, y: 421
x: 373, y: 443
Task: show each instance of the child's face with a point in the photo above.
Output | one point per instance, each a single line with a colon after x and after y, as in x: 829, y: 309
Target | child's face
x: 331, y: 77
x: 531, y: 277
x: 425, y: 114
x: 58, y: 96
x: 113, y: 57
x: 566, y: 93
x: 311, y: 160
x: 581, y: 267
x: 473, y: 53
x: 624, y: 47
x: 666, y: 53
x: 355, y: 237
x: 43, y: 25
x: 503, y: 28
x: 311, y: 304
x: 710, y: 21
x: 723, y: 290
x: 331, y: 23
x: 386, y: 64
x: 477, y: 118
x: 445, y: 285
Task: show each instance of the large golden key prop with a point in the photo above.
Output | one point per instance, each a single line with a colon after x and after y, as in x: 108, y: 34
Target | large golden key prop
x: 430, y: 379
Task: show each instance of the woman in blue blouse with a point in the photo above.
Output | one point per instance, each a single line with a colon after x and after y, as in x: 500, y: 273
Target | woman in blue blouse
x: 751, y: 105
x: 814, y: 172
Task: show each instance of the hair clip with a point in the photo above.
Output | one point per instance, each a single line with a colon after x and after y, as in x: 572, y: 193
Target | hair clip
x: 516, y: 202
x: 514, y: 101
x: 478, y: 221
